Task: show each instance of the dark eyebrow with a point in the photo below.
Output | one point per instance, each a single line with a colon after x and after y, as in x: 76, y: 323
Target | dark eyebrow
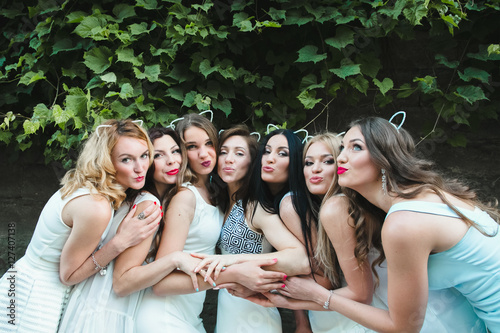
x: 322, y: 155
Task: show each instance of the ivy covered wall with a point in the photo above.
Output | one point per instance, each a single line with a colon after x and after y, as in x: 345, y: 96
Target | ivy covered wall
x: 67, y: 65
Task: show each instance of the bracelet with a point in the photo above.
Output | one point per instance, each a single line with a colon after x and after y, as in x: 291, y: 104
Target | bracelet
x: 102, y: 270
x: 326, y: 306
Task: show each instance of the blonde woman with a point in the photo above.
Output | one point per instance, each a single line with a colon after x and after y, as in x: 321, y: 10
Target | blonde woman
x: 64, y: 249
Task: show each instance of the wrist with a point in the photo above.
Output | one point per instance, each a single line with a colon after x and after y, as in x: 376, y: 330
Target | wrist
x: 117, y: 245
x: 326, y: 304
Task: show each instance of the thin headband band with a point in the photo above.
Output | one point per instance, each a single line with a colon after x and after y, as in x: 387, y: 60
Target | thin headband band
x: 100, y: 126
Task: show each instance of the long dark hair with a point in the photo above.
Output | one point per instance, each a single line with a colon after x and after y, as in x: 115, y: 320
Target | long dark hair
x: 156, y: 133
x: 296, y: 185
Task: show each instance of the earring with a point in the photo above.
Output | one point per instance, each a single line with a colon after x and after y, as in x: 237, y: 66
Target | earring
x: 384, y: 182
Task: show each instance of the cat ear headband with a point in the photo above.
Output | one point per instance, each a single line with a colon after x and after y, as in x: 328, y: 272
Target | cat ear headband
x: 172, y: 124
x: 306, y: 137
x: 253, y: 133
x: 138, y: 121
x: 402, y: 121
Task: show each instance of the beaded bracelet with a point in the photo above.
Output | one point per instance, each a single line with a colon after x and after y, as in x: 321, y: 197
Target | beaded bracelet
x: 102, y: 270
x: 326, y: 306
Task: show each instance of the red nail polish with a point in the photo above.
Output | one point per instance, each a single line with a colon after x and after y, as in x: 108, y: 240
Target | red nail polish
x: 155, y: 202
x: 275, y: 259
x: 162, y: 214
x: 283, y: 286
x: 161, y: 207
x: 284, y: 277
x: 134, y: 206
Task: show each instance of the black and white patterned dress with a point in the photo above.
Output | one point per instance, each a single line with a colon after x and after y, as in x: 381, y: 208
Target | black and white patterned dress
x: 236, y: 314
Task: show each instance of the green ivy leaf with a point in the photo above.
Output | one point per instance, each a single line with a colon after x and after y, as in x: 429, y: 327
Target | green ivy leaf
x: 471, y: 73
x: 31, y: 77
x: 147, y: 4
x: 98, y: 59
x: 151, y: 73
x: 127, y: 55
x: 5, y: 136
x: 343, y: 37
x: 470, y: 93
x: 310, y: 82
x: 347, y: 68
x: 308, y: 99
x: 416, y: 13
x: 359, y: 82
x: 224, y: 106
x: 494, y: 48
x: 109, y: 77
x: 405, y: 90
x: 206, y: 69
x: 90, y: 26
x: 30, y: 127
x: 266, y: 82
x: 123, y: 11
x: 309, y: 53
x: 441, y: 59
x: 60, y: 116
x: 277, y: 14
x: 427, y: 84
x: 385, y: 85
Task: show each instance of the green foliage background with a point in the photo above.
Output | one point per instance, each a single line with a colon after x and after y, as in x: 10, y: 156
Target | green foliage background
x: 67, y: 65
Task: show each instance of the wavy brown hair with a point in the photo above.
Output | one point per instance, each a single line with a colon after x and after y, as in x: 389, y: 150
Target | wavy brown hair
x: 407, y: 174
x: 94, y: 168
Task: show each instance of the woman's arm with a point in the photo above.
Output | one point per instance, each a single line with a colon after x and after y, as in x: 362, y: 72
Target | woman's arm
x: 178, y: 218
x: 339, y: 227
x: 291, y: 254
x: 89, y: 216
x: 407, y: 245
x: 130, y: 275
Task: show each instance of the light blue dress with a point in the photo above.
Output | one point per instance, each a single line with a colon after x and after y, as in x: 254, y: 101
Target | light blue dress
x: 472, y: 266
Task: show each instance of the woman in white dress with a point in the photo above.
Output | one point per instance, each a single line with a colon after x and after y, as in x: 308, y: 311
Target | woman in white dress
x: 94, y: 305
x: 192, y: 224
x: 343, y: 242
x: 64, y: 248
x: 248, y: 233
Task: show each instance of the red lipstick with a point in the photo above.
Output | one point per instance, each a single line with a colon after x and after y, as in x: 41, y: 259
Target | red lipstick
x: 341, y: 170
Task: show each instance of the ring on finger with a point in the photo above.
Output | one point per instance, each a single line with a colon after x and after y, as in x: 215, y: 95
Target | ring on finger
x: 141, y: 216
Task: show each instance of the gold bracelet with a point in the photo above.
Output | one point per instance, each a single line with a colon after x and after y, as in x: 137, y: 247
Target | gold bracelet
x: 326, y: 306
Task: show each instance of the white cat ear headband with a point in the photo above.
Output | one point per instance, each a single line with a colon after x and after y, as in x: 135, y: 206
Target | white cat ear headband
x: 253, y: 133
x: 138, y: 121
x: 306, y: 137
x: 172, y: 124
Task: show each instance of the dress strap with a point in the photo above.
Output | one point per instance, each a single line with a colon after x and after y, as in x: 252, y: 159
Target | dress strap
x: 434, y: 208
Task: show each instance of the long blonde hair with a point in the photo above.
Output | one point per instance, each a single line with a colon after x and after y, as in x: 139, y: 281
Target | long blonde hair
x: 94, y: 168
x: 362, y: 222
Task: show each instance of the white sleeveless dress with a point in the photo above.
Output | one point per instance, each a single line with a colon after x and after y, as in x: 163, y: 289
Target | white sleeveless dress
x: 181, y: 313
x: 93, y: 306
x: 235, y: 314
x: 39, y: 294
